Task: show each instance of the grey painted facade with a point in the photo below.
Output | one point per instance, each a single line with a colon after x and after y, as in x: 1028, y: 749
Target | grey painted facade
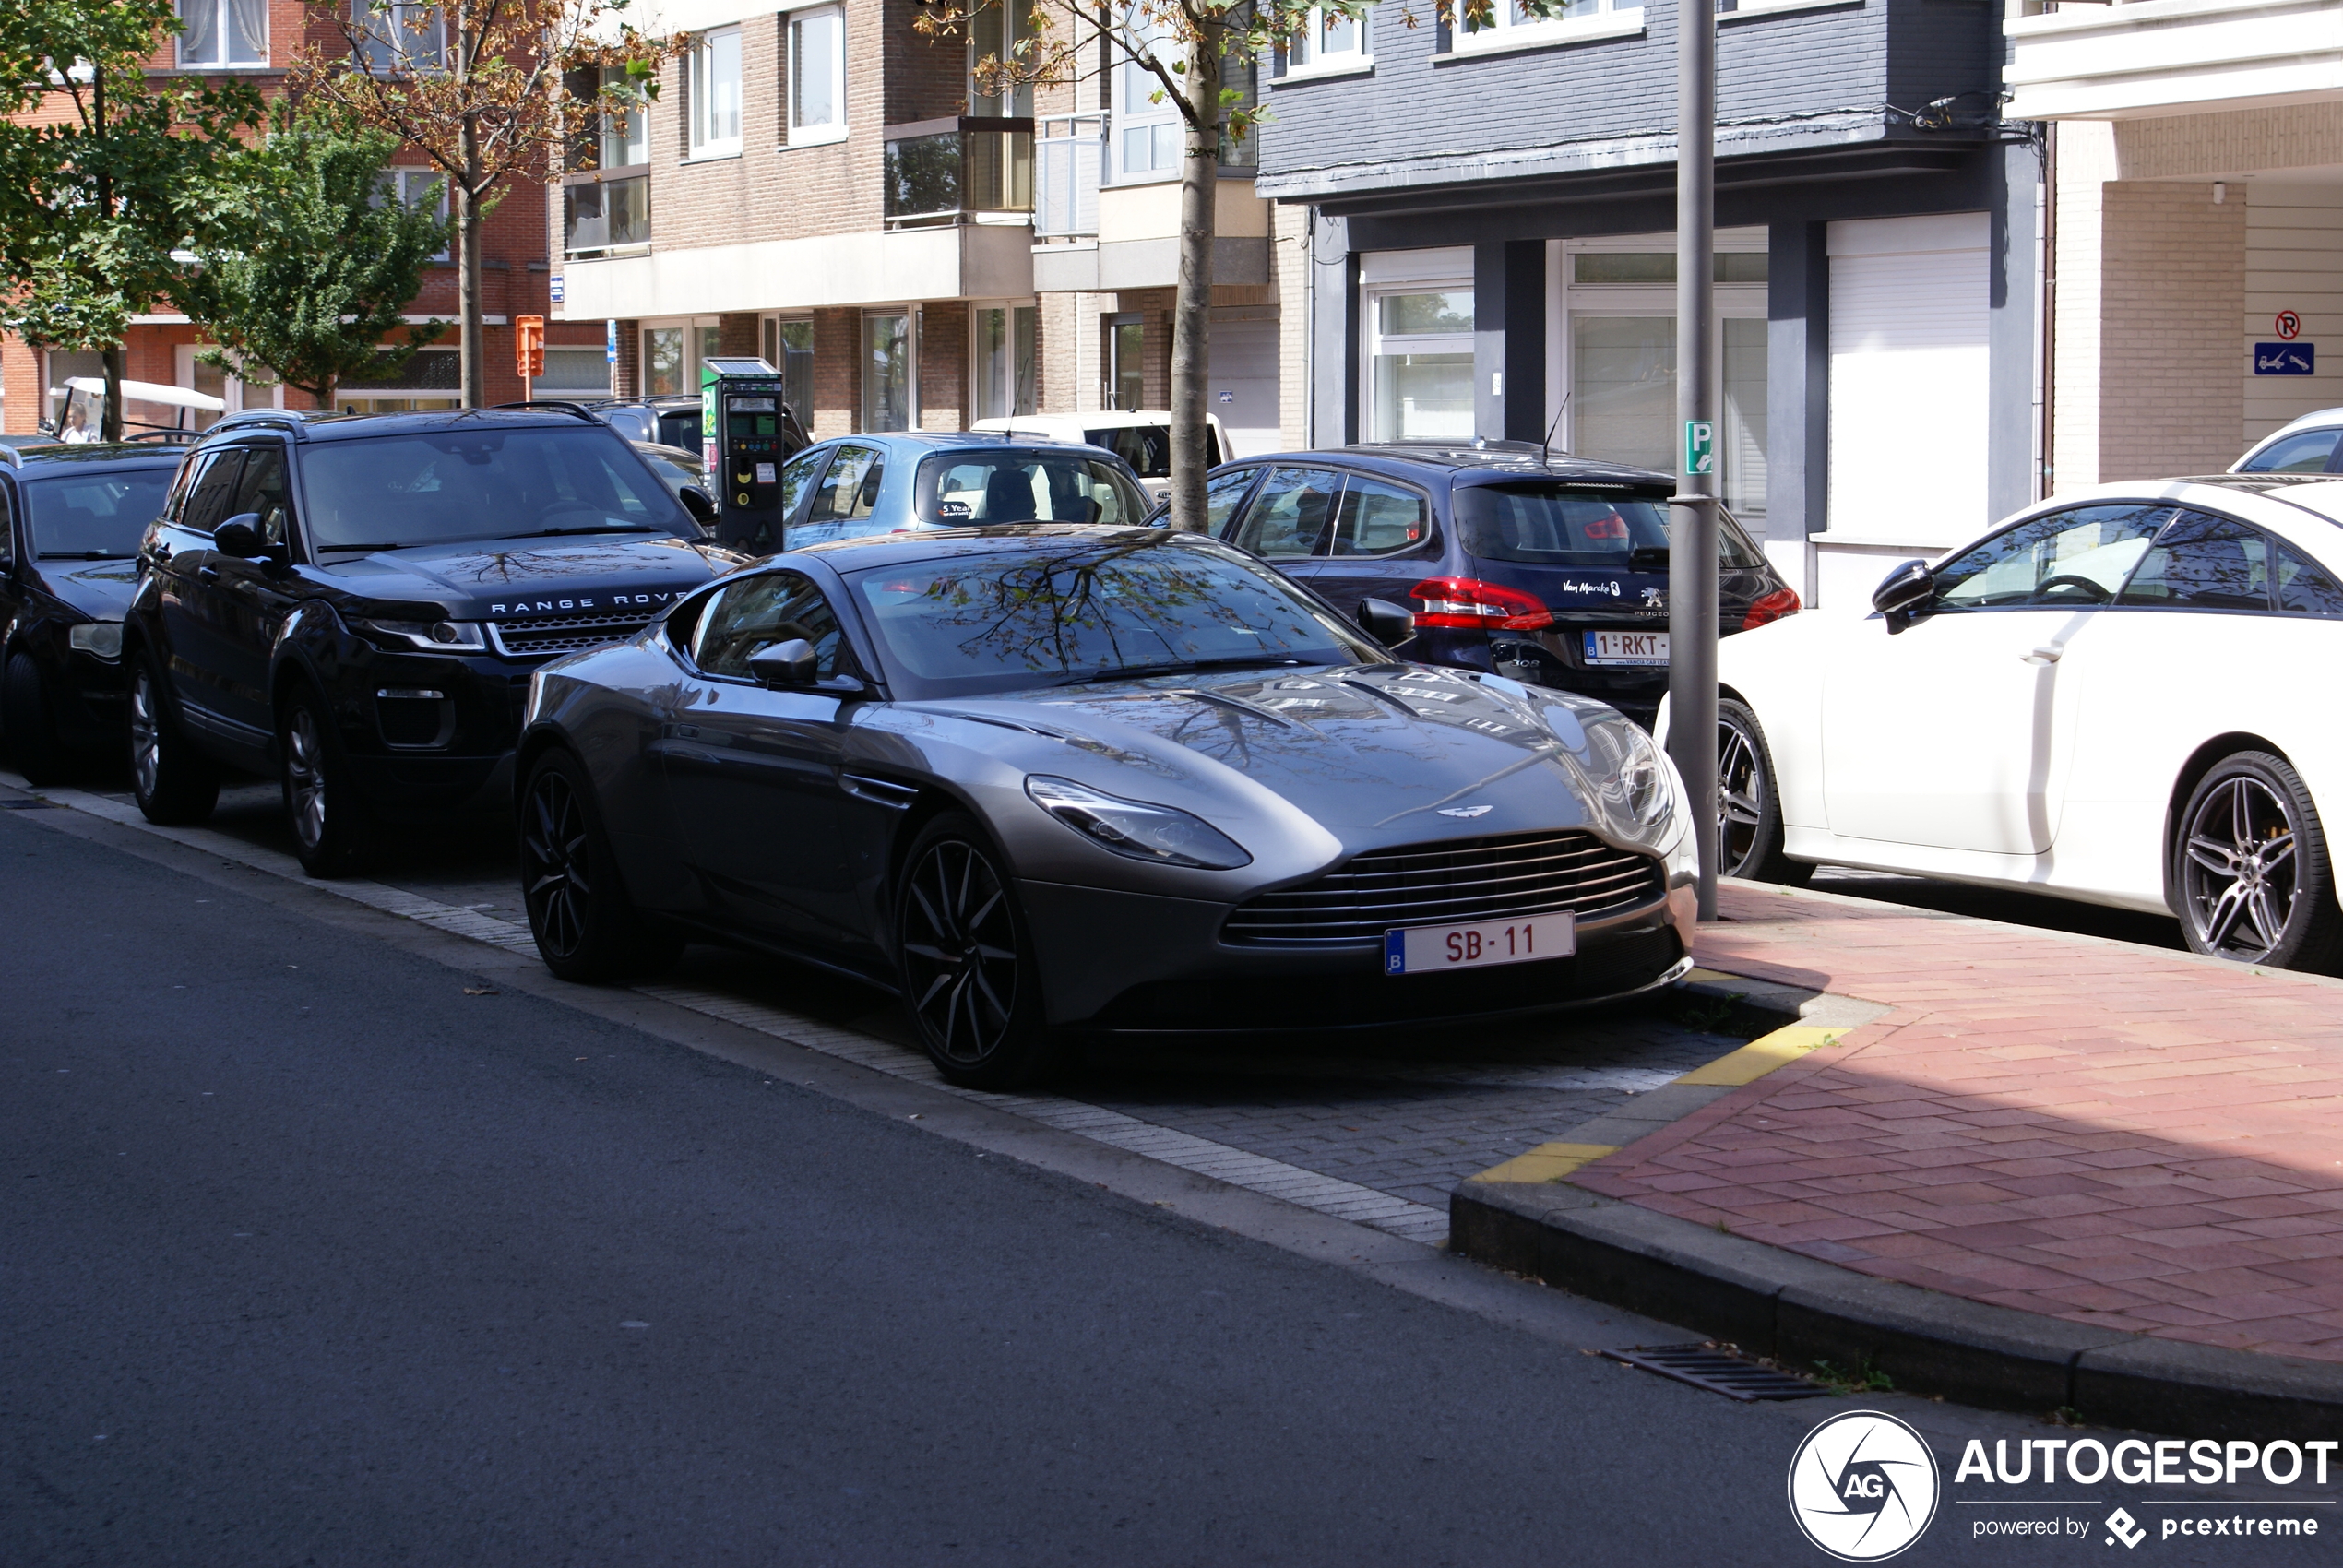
x: 1823, y: 114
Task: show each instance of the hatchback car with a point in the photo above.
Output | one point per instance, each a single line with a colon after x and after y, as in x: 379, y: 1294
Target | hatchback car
x: 1548, y: 570
x: 71, y: 518
x: 2111, y: 697
x: 855, y: 486
x: 1054, y: 781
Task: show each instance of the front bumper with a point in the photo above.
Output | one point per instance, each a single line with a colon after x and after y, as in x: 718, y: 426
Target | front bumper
x: 1120, y: 962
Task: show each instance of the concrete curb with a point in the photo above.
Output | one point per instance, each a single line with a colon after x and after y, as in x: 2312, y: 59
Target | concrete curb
x: 1802, y: 1311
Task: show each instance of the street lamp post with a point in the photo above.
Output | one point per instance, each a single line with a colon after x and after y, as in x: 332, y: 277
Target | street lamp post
x: 1691, y: 554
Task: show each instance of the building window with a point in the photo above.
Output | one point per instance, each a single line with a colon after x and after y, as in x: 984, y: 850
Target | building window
x: 662, y: 361
x: 224, y: 32
x: 715, y: 92
x: 1126, y: 351
x: 1623, y: 388
x: 788, y: 348
x: 817, y: 76
x: 996, y: 30
x: 1006, y: 367
x: 625, y: 136
x: 886, y: 371
x: 398, y: 38
x: 1147, y: 132
x: 1510, y: 26
x: 416, y: 187
x: 1327, y: 43
x: 1420, y: 363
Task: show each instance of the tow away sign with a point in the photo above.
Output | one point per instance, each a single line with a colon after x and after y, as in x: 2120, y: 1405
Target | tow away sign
x: 2284, y: 359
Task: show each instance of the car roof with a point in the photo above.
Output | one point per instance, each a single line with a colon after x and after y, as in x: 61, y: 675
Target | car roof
x: 999, y: 539
x: 968, y: 441
x: 2322, y: 493
x: 1473, y: 462
x: 344, y: 427
x: 1105, y: 419
x: 29, y: 460
x: 2315, y: 416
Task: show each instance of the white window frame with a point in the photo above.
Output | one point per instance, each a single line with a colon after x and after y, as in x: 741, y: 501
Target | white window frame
x: 835, y: 130
x: 414, y: 51
x: 223, y: 31
x: 404, y: 178
x: 1014, y: 14
x: 1306, y: 56
x: 703, y: 141
x: 1370, y: 295
x: 977, y: 395
x: 1508, y: 30
x: 1132, y: 82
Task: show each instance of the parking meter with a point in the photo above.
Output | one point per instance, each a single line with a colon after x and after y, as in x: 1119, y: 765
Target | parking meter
x: 742, y: 441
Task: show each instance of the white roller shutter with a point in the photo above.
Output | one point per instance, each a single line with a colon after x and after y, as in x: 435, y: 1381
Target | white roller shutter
x: 1909, y: 378
x: 1244, y: 382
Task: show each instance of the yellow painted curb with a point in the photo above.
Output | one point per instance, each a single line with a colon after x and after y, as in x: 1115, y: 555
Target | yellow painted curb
x: 1762, y: 1055
x: 1546, y: 1162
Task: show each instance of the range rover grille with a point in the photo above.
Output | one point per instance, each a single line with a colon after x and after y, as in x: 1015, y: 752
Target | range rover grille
x: 1465, y: 879
x: 543, y: 637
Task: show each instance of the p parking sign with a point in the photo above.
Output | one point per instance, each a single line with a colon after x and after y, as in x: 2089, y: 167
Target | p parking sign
x: 1700, y: 446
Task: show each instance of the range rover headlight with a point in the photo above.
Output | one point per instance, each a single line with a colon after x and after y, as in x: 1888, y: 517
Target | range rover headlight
x: 1160, y: 835
x: 439, y: 636
x: 103, y: 638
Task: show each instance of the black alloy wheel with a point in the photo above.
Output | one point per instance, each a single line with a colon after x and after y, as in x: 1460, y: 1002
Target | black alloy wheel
x: 588, y: 929
x: 333, y: 830
x: 174, y: 783
x: 2251, y: 868
x: 968, y: 971
x: 1749, y: 821
x: 27, y: 722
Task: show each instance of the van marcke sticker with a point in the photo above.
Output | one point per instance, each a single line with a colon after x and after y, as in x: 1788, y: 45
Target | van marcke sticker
x: 1863, y: 1486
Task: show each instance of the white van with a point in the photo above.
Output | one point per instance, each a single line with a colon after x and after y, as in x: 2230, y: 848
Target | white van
x: 1141, y: 437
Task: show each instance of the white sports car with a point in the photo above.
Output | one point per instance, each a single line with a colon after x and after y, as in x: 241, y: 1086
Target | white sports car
x: 2114, y: 697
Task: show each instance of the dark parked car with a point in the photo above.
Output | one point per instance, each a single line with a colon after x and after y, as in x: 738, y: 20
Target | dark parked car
x: 1055, y: 780
x: 1551, y: 571
x: 674, y: 421
x: 354, y: 603
x: 70, y: 521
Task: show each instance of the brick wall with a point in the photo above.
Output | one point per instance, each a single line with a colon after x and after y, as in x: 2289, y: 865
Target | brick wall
x: 837, y: 386
x: 2171, y: 399
x: 943, y: 365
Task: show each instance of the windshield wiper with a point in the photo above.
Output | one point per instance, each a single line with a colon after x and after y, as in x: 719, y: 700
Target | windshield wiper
x: 84, y: 555
x: 365, y: 548
x: 1178, y: 667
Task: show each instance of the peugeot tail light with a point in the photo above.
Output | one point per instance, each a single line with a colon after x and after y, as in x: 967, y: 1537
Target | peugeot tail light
x: 1471, y: 604
x: 1772, y: 607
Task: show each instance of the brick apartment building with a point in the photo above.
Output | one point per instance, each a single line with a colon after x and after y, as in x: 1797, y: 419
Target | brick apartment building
x: 260, y: 39
x: 822, y: 185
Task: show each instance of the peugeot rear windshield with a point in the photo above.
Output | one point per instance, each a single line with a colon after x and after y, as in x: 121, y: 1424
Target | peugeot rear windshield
x: 441, y: 486
x: 965, y: 489
x: 1538, y: 523
x: 94, y: 517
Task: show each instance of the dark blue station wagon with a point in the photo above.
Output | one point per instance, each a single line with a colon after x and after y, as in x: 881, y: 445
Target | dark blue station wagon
x: 1548, y: 570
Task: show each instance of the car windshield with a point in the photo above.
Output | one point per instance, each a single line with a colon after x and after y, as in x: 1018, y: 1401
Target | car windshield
x: 437, y: 486
x: 1147, y: 447
x: 1090, y: 607
x: 1536, y: 523
x: 94, y: 517
x: 1010, y: 486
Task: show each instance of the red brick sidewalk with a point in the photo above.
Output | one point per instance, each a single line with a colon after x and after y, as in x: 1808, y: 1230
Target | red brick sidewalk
x: 2104, y: 1133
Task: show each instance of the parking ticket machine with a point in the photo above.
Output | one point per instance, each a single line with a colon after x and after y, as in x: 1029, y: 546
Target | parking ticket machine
x: 744, y: 442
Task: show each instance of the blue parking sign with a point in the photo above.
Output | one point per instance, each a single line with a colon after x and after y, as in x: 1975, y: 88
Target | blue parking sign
x: 2284, y: 359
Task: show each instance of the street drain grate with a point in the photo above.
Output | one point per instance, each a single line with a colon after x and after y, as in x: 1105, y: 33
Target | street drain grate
x: 1719, y: 1372
x: 28, y: 805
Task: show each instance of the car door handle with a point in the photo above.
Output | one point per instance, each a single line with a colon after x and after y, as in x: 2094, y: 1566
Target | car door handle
x: 2041, y: 656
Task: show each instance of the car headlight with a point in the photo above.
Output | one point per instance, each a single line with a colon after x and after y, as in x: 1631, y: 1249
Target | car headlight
x: 103, y: 638
x: 1634, y: 777
x: 439, y: 636
x: 1157, y: 834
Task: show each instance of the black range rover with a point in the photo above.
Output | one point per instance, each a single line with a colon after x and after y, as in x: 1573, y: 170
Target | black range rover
x: 354, y: 603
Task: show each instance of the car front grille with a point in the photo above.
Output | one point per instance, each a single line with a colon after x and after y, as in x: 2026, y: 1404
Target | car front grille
x: 1451, y: 883
x: 543, y: 637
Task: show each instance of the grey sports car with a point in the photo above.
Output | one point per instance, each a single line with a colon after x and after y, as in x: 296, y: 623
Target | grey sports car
x: 1051, y: 782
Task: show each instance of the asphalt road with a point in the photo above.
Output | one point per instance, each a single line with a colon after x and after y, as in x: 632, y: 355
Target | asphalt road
x: 312, y: 1256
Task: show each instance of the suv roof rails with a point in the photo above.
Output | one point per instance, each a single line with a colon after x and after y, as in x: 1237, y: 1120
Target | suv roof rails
x: 294, y: 420
x: 562, y: 404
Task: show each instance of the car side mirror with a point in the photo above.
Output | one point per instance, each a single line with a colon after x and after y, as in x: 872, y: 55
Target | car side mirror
x: 239, y: 536
x: 1906, y: 587
x: 1385, y: 622
x: 698, y: 503
x: 791, y: 663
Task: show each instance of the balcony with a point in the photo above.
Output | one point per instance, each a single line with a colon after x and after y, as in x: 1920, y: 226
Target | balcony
x: 1069, y: 165
x: 606, y: 212
x: 969, y: 169
x: 2168, y: 56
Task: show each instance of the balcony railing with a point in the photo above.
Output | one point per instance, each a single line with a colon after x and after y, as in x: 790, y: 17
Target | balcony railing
x: 606, y: 211
x: 958, y: 171
x: 1069, y: 164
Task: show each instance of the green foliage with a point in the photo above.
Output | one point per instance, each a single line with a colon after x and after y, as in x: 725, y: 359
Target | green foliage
x: 310, y: 259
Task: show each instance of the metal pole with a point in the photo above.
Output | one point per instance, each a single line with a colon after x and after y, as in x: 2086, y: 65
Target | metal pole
x: 1691, y: 554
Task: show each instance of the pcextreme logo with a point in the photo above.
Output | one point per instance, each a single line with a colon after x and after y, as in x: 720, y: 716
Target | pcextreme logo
x: 1863, y: 1486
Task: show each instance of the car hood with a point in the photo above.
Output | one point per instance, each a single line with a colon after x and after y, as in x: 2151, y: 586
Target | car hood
x: 1377, y: 754
x: 497, y: 579
x: 99, y: 589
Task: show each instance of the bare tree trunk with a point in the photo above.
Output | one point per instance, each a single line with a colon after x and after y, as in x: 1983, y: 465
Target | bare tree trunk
x: 109, y: 421
x: 1191, y: 314
x: 474, y: 360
